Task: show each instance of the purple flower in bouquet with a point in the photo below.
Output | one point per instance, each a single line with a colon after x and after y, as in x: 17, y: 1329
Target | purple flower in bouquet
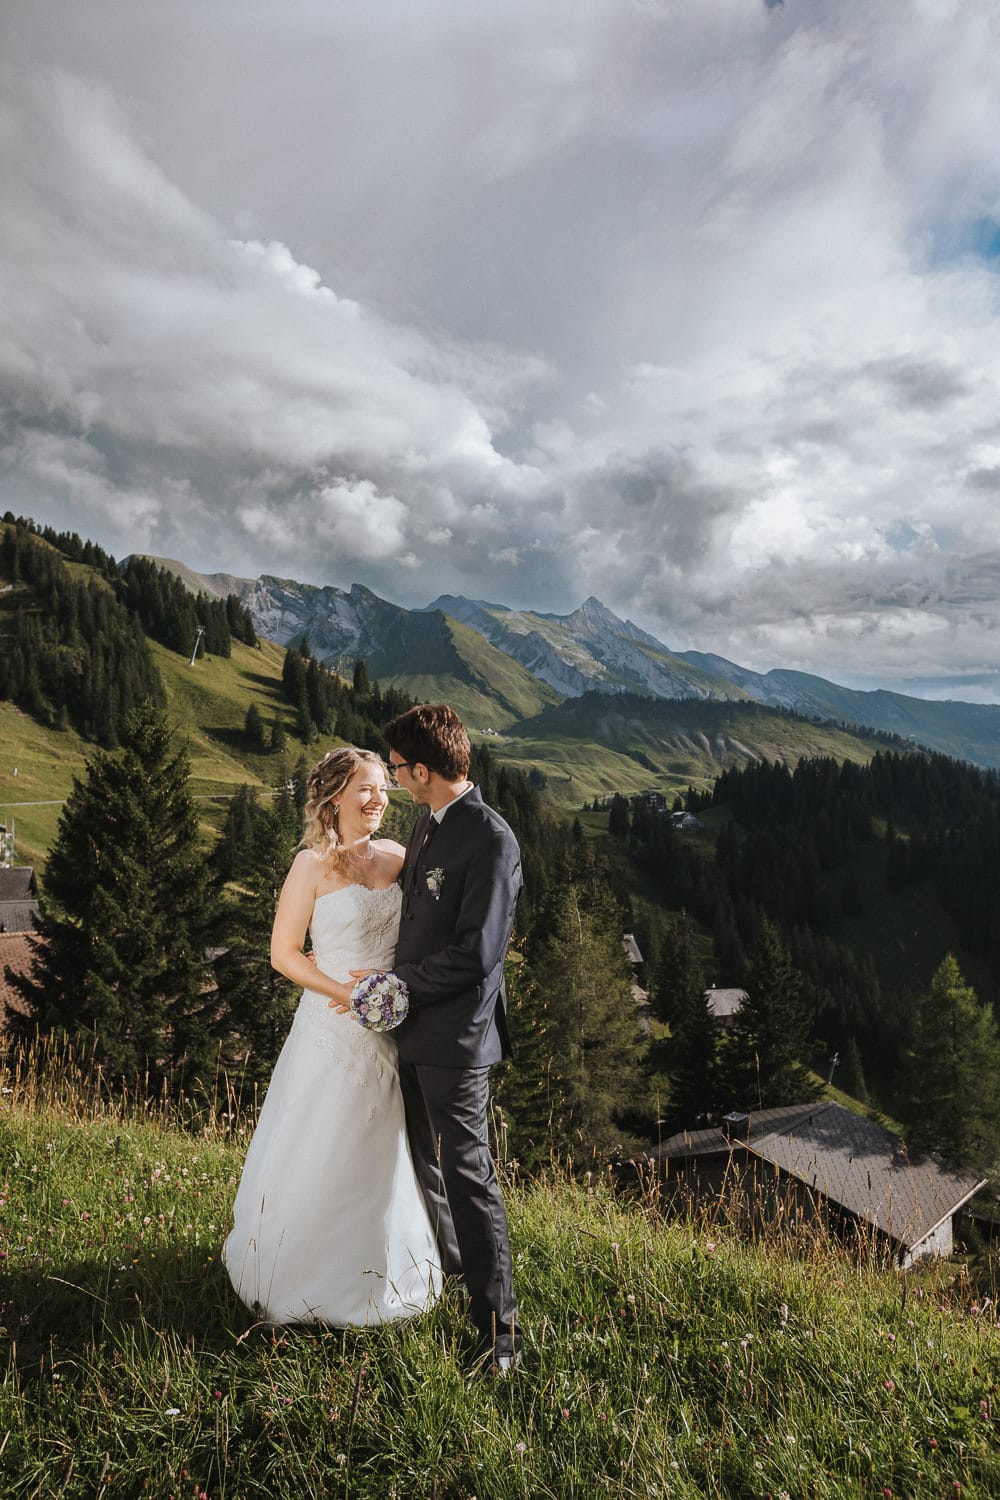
x: 380, y: 1000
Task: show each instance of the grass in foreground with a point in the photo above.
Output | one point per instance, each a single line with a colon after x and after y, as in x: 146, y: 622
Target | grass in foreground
x: 661, y: 1359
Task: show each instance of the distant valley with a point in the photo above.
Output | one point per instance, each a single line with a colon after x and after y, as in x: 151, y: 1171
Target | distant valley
x: 502, y: 667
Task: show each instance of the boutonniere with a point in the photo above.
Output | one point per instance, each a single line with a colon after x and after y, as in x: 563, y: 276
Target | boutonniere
x: 435, y: 880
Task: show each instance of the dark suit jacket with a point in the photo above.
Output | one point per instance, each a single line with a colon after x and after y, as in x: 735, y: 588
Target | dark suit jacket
x: 459, y: 895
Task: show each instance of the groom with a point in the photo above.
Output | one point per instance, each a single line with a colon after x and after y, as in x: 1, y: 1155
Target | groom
x: 461, y: 881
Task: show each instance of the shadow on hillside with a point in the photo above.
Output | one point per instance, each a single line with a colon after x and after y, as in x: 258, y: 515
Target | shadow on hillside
x: 261, y: 679
x: 66, y: 1311
x: 225, y: 734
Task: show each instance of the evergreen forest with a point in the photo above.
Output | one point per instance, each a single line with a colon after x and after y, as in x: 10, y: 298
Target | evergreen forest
x: 856, y: 905
x: 73, y: 641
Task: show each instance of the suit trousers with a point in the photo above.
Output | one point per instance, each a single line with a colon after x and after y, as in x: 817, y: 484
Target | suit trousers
x: 446, y: 1122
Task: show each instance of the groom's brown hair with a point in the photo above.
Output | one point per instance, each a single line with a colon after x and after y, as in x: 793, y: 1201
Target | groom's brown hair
x: 434, y: 736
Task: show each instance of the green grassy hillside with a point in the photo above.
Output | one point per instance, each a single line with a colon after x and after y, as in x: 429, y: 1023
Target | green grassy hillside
x: 439, y: 660
x: 635, y: 744
x: 967, y: 731
x: 37, y: 767
x: 207, y: 704
x: 663, y: 1356
x: 586, y: 747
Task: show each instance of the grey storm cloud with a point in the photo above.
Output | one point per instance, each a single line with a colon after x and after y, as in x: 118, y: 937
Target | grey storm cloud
x: 691, y: 308
x: 924, y: 384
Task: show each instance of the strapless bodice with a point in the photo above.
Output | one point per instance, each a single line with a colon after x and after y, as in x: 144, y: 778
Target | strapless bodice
x: 352, y: 928
x: 355, y: 928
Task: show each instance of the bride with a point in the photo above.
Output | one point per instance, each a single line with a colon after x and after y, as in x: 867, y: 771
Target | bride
x: 330, y: 1224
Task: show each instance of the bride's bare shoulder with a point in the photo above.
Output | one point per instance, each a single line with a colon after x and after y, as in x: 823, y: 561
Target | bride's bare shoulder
x: 309, y: 859
x: 306, y: 868
x: 389, y: 846
x: 390, y: 851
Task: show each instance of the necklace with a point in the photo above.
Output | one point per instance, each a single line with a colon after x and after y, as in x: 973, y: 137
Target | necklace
x: 363, y: 864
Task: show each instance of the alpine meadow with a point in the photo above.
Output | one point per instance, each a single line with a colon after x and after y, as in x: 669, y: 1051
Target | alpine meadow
x: 756, y: 963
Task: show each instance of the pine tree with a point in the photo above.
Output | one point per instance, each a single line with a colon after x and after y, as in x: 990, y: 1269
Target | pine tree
x: 679, y: 974
x: 362, y: 683
x: 595, y: 1051
x: 692, y: 1053
x: 618, y: 819
x: 259, y: 1003
x: 528, y: 1093
x: 771, y: 1032
x: 253, y: 729
x: 231, y: 855
x: 279, y: 738
x: 949, y: 1094
x: 852, y: 1079
x: 127, y: 913
x: 727, y: 949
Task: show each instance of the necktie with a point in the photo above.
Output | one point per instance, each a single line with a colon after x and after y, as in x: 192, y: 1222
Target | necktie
x: 429, y: 832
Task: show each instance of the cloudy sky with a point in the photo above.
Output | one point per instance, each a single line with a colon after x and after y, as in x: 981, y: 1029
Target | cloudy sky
x: 690, y: 304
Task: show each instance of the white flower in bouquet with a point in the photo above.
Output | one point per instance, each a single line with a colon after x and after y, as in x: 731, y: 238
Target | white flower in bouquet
x: 380, y: 1000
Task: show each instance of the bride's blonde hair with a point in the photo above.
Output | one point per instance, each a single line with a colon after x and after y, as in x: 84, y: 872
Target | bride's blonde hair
x: 325, y: 783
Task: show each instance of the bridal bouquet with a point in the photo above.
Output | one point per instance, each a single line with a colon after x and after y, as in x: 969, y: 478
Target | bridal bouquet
x: 380, y: 1000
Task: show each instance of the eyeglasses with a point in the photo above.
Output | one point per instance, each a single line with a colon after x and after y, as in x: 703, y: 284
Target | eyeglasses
x: 401, y: 765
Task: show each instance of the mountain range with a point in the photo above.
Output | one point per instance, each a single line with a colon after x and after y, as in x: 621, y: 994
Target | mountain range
x: 502, y: 667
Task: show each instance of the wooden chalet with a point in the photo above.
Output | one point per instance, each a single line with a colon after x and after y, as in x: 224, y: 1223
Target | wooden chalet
x: 822, y: 1160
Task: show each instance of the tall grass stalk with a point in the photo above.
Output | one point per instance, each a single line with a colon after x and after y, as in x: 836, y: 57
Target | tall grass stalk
x: 671, y: 1357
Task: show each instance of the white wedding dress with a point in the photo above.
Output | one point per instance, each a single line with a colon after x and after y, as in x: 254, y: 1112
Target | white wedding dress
x: 329, y: 1221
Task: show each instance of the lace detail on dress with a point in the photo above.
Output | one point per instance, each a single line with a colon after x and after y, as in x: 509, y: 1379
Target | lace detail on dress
x: 352, y: 927
x: 330, y: 1225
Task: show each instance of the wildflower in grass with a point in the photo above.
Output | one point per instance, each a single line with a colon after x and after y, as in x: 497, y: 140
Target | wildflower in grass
x: 520, y: 1449
x: 172, y: 1411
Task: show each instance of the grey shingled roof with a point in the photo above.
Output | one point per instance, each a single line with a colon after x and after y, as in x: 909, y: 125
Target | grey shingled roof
x: 631, y: 948
x: 18, y: 916
x: 712, y: 1141
x: 725, y: 1002
x: 18, y: 898
x: 848, y: 1159
x: 853, y: 1161
x: 17, y: 883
